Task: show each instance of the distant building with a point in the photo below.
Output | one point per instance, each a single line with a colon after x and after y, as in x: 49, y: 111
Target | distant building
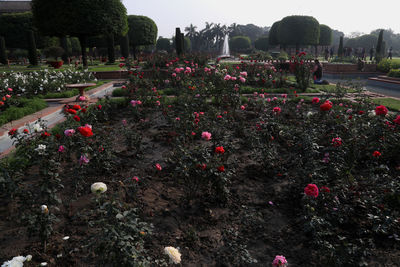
x: 14, y: 6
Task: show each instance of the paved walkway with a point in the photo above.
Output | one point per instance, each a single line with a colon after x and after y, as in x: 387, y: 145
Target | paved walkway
x: 51, y: 115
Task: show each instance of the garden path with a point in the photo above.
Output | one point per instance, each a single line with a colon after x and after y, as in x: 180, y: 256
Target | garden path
x: 50, y: 115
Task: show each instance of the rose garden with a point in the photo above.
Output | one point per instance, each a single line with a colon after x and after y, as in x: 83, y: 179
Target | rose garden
x: 194, y: 160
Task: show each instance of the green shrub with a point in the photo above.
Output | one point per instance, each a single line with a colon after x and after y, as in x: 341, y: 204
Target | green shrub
x: 385, y: 65
x: 394, y: 73
x: 240, y: 43
x: 25, y: 107
x: 283, y: 56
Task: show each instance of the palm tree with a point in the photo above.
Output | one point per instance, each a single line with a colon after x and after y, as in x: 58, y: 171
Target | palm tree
x: 234, y: 30
x: 207, y: 35
x: 191, y: 31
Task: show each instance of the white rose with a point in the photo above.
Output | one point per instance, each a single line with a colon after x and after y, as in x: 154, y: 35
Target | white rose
x: 44, y: 209
x: 173, y: 254
x: 98, y: 187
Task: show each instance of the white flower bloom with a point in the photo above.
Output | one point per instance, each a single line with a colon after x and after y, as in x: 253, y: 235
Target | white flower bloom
x: 44, y: 209
x: 173, y: 254
x: 41, y: 149
x: 43, y: 264
x: 37, y: 127
x: 371, y: 113
x: 98, y: 187
x: 17, y: 261
x: 65, y: 237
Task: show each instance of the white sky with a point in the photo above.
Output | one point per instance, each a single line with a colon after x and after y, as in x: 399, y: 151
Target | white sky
x: 344, y: 15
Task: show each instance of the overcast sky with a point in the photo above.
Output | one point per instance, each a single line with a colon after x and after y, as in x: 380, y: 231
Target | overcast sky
x: 344, y: 15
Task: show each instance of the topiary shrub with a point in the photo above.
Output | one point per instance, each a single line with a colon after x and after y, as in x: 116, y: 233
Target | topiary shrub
x: 53, y: 52
x: 33, y: 60
x: 240, y: 44
x: 262, y: 43
x: 385, y: 65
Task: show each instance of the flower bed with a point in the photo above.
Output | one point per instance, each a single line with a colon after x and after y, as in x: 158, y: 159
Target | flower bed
x: 42, y: 82
x: 206, y: 178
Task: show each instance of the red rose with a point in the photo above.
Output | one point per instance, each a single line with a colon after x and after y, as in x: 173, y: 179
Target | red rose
x: 83, y: 110
x: 361, y: 112
x: 26, y: 131
x: 76, y: 107
x: 202, y: 166
x: 221, y: 168
x: 219, y: 150
x: 85, y: 131
x: 315, y: 100
x: 326, y: 106
x: 376, y: 154
x: 325, y: 189
x: 12, y: 132
x: 311, y: 190
x: 71, y: 111
x: 45, y: 134
x: 381, y: 110
x: 397, y: 120
x: 277, y: 110
x: 99, y: 106
x: 76, y: 118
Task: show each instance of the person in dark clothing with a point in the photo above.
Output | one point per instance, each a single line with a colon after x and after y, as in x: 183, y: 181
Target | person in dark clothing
x: 371, y: 53
x: 331, y: 52
x: 390, y: 53
x: 317, y: 72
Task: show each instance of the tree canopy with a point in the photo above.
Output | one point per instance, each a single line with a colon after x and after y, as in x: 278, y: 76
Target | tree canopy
x: 299, y: 30
x: 274, y: 34
x: 325, y: 35
x: 80, y: 18
x: 240, y: 43
x: 163, y: 44
x: 142, y: 30
x: 262, y: 43
x: 14, y: 28
x: 366, y: 41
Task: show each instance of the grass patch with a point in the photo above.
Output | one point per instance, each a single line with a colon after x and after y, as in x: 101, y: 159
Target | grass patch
x: 390, y: 103
x: 26, y: 107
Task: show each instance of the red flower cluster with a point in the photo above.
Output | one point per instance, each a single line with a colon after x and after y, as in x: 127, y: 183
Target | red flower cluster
x: 71, y: 111
x: 337, y: 141
x: 76, y: 118
x: 219, y: 150
x: 76, y: 107
x: 326, y: 106
x: 45, y: 134
x: 311, y: 190
x: 381, y: 110
x: 315, y: 100
x: 376, y: 154
x: 325, y: 189
x: 277, y: 110
x: 221, y: 168
x: 85, y: 131
x: 397, y: 120
x: 12, y: 132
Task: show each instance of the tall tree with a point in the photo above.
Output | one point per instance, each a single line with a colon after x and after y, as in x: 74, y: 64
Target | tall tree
x: 124, y: 44
x: 111, y: 48
x: 340, y: 50
x: 33, y: 60
x: 299, y: 30
x: 142, y: 31
x: 80, y: 18
x: 379, y: 47
x: 273, y: 36
x: 3, y: 53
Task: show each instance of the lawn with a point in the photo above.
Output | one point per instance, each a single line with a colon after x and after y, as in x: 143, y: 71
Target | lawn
x: 390, y: 103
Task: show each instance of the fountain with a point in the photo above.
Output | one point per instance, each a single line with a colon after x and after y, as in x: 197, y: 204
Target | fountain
x: 225, y: 49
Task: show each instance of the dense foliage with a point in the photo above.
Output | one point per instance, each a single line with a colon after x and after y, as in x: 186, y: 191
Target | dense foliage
x: 325, y: 35
x: 142, y: 31
x: 262, y: 43
x: 299, y: 30
x: 240, y: 43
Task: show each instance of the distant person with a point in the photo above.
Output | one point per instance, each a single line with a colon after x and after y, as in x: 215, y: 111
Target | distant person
x: 331, y: 52
x: 326, y: 54
x: 317, y: 72
x: 363, y: 53
x: 371, y: 53
x: 390, y: 53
